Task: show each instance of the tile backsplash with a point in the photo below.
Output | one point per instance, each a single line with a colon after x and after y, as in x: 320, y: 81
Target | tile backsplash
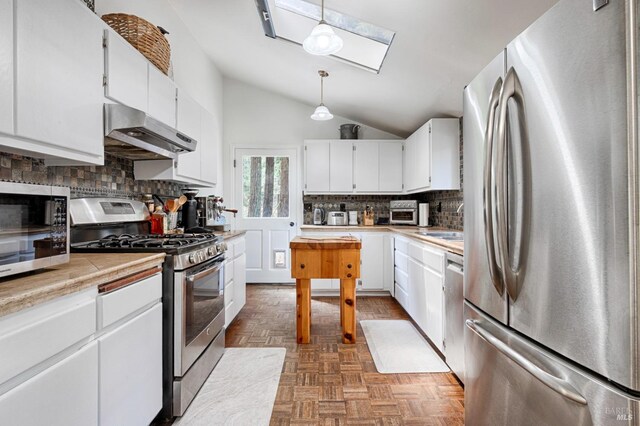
x: 443, y: 205
x: 114, y: 179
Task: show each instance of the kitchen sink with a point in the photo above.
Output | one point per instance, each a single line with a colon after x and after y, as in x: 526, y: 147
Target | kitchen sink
x: 444, y: 235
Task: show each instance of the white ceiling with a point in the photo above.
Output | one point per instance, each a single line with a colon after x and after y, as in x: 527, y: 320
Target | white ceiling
x: 438, y: 48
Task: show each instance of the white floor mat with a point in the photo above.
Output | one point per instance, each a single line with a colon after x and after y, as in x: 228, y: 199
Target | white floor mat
x: 397, y: 347
x: 241, y: 390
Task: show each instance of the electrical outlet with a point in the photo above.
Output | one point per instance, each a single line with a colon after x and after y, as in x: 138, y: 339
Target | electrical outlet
x: 308, y: 208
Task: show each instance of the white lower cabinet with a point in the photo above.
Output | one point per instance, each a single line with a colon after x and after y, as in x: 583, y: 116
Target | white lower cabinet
x: 84, y: 359
x: 235, y: 279
x: 64, y: 394
x: 131, y: 370
x: 419, y: 286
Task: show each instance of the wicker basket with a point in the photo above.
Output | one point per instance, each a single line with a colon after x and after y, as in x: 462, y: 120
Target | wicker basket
x: 144, y: 36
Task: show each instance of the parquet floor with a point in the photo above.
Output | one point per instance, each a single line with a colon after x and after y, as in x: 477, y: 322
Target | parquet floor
x: 330, y: 383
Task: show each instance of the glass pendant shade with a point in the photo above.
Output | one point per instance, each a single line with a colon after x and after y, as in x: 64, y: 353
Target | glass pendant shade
x: 322, y: 40
x: 321, y: 113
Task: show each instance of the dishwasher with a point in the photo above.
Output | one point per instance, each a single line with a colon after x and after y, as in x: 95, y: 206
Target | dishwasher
x: 454, y: 317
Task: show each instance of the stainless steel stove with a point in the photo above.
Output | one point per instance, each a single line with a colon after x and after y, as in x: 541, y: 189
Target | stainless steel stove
x: 193, y: 288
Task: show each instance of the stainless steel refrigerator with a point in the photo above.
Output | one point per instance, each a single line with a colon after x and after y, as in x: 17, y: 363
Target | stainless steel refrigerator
x: 552, y: 213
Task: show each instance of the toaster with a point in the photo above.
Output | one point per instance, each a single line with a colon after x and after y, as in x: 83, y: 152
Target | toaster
x: 337, y: 218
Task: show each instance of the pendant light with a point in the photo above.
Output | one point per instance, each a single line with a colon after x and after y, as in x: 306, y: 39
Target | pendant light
x: 322, y: 40
x: 322, y: 112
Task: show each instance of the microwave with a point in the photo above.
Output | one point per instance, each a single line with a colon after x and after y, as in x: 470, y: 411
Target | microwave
x: 34, y: 227
x: 403, y: 212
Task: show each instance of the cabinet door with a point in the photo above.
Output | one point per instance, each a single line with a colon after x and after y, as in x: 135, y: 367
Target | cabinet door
x: 189, y: 116
x: 390, y: 167
x: 127, y: 73
x: 423, y: 157
x: 240, y: 281
x: 417, y: 293
x: 162, y: 97
x: 372, y: 262
x: 341, y: 166
x: 131, y: 370
x: 410, y: 160
x: 64, y: 394
x: 316, y: 166
x: 366, y: 161
x: 59, y: 69
x: 209, y: 149
x: 434, y: 295
x: 6, y: 66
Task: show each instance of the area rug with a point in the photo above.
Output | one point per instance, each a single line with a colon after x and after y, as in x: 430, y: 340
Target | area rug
x: 397, y: 347
x: 241, y: 390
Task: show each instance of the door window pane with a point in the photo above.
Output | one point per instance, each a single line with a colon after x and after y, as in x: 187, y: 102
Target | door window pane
x: 265, y: 186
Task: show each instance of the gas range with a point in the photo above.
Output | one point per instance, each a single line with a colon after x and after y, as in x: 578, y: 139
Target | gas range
x: 186, y: 249
x: 193, y: 288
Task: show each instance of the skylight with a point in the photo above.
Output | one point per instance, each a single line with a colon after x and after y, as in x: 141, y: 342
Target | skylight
x: 365, y: 44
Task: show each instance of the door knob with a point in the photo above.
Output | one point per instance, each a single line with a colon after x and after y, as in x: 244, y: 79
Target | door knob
x: 291, y: 224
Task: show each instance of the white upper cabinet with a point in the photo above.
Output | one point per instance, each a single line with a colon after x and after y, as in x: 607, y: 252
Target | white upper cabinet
x: 196, y: 168
x: 189, y: 123
x: 432, y: 156
x: 6, y: 66
x: 366, y: 170
x: 346, y: 167
x: 210, y: 147
x: 341, y: 166
x: 126, y: 71
x: 162, y: 95
x: 58, y: 80
x: 316, y: 166
x: 390, y: 166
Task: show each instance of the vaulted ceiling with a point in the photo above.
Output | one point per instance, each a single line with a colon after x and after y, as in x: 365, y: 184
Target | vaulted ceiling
x: 438, y: 48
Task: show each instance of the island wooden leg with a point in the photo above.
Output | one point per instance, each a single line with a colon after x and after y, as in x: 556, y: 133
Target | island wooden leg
x: 348, y: 304
x: 303, y: 310
x: 341, y: 310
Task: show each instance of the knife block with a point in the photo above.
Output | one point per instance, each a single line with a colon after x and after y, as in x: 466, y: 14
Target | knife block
x: 367, y: 218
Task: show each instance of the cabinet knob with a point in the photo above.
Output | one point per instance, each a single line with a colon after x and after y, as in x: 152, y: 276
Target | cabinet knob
x: 349, y: 266
x: 348, y: 275
x: 302, y: 266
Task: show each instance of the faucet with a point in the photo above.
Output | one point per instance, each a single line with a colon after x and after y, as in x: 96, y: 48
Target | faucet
x: 460, y: 208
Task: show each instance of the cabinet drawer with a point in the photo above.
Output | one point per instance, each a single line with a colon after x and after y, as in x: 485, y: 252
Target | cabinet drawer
x: 228, y: 271
x: 325, y: 264
x: 228, y: 293
x: 402, y: 246
x: 62, y: 395
x: 402, y: 297
x: 432, y: 258
x: 40, y: 339
x: 401, y: 261
x: 239, y: 247
x: 402, y: 279
x: 230, y: 253
x: 117, y: 305
x: 306, y: 264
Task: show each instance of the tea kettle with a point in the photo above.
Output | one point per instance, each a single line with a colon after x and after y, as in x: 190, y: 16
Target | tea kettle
x: 318, y: 216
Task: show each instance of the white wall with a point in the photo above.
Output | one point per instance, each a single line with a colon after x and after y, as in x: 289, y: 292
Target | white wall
x: 254, y: 117
x: 193, y: 70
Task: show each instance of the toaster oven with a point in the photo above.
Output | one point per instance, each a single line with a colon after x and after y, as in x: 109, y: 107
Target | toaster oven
x: 403, y: 212
x: 33, y: 227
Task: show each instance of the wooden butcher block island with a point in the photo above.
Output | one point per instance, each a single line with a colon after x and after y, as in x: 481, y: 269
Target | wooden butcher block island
x: 331, y: 257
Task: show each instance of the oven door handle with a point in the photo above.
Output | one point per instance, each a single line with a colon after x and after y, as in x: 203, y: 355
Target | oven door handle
x: 206, y: 272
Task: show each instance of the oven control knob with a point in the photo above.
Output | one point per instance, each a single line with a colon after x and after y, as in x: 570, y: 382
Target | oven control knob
x: 223, y: 247
x: 211, y: 251
x: 192, y: 258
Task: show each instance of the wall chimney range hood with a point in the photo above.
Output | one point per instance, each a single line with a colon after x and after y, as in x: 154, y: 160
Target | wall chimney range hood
x: 133, y: 134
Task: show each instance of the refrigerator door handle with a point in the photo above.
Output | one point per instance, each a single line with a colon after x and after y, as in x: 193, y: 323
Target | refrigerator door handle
x: 557, y: 384
x: 510, y: 89
x: 488, y: 190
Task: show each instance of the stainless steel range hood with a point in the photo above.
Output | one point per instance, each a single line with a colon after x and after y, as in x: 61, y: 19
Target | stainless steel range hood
x: 131, y: 133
